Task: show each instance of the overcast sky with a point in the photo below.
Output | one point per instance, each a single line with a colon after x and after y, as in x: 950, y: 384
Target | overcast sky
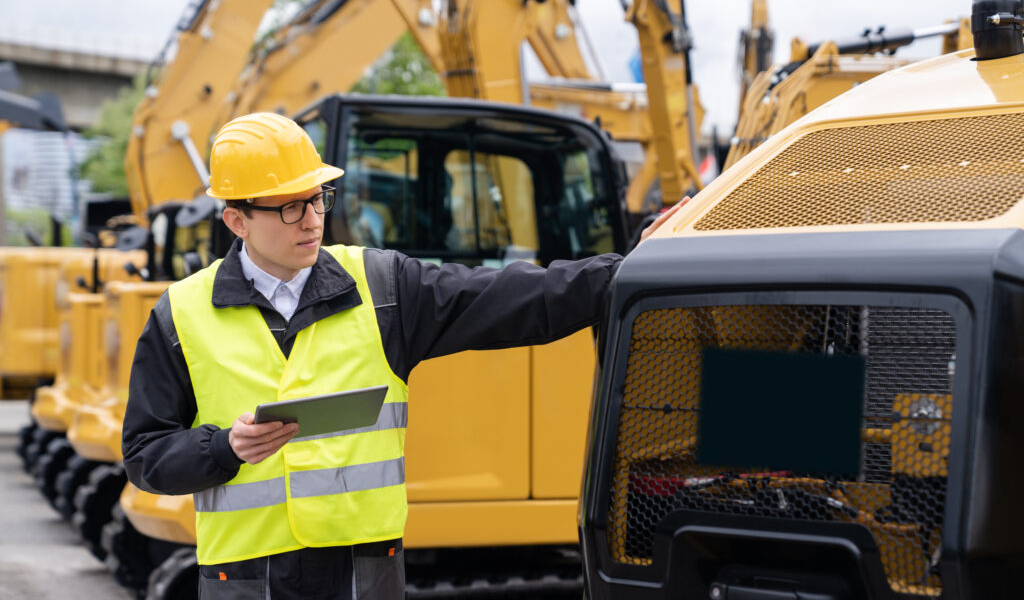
x: 138, y: 28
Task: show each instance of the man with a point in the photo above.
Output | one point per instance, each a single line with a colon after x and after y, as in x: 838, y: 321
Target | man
x: 279, y: 318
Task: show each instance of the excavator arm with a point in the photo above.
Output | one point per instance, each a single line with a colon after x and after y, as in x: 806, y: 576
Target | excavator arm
x: 480, y: 47
x: 755, y: 47
x: 821, y: 71
x: 314, y: 54
x: 475, y: 47
x: 164, y: 160
x: 664, y: 47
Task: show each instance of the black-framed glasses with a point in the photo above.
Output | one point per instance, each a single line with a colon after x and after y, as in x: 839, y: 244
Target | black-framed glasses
x: 294, y: 211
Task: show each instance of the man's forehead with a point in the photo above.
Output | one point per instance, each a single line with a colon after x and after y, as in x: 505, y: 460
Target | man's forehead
x: 286, y: 198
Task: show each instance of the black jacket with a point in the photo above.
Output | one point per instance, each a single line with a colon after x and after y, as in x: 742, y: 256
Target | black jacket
x: 423, y: 310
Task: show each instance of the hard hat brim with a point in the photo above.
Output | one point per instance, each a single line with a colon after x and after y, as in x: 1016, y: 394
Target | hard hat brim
x: 314, y: 178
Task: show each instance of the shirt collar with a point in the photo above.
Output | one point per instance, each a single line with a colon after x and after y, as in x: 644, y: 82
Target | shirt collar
x: 330, y: 280
x: 266, y: 283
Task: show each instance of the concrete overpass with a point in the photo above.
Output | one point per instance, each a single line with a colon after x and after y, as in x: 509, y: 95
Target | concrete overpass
x: 81, y: 80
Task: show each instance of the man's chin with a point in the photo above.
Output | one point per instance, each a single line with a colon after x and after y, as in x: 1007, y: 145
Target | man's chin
x: 308, y: 254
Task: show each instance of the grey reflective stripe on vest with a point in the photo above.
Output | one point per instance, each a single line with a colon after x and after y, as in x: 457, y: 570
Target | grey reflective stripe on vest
x: 354, y: 478
x: 380, y: 276
x: 304, y: 484
x: 393, y: 415
x: 241, y: 496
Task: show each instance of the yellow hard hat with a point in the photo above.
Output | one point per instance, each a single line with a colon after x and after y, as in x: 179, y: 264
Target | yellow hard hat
x: 264, y: 154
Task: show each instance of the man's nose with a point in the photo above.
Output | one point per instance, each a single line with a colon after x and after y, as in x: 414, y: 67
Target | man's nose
x: 311, y: 220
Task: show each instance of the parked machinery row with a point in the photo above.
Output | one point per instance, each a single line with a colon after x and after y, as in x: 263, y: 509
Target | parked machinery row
x: 585, y: 214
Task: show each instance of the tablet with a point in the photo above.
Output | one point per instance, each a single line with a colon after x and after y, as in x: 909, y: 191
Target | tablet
x: 328, y: 413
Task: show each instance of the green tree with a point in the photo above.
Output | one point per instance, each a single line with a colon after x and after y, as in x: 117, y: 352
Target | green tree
x: 404, y: 69
x: 105, y: 164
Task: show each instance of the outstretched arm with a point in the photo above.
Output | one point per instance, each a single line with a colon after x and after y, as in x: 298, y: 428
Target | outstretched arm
x: 444, y: 309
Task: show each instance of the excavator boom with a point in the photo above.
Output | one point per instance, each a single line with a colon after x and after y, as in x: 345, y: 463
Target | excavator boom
x: 164, y: 159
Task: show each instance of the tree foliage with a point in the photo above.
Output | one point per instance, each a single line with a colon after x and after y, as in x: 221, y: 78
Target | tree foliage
x: 404, y: 69
x: 104, y: 166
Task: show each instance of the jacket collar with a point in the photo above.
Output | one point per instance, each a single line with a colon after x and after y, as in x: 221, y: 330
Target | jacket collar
x: 327, y: 280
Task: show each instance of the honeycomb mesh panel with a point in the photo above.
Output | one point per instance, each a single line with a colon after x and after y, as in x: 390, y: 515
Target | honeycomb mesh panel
x: 947, y: 170
x: 899, y: 494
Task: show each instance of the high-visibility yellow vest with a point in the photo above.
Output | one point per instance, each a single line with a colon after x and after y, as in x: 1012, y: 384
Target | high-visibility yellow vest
x: 336, y: 489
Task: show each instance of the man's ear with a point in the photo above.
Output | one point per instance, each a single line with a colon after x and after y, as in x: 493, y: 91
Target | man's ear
x: 236, y: 222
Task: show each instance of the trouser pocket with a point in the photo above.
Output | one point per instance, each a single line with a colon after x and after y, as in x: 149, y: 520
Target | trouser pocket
x: 379, y: 577
x: 213, y: 585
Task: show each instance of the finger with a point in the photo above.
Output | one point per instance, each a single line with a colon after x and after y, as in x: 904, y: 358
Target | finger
x: 658, y: 222
x: 246, y: 418
x: 257, y: 459
x: 246, y: 446
x: 286, y: 431
x: 259, y: 429
x: 663, y: 217
x: 271, y: 446
x: 668, y: 213
x: 262, y: 451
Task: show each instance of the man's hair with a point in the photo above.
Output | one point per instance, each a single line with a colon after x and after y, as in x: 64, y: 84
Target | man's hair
x: 242, y: 205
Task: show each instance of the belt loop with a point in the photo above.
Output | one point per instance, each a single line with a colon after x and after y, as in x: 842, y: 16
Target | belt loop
x: 268, y: 578
x: 352, y: 557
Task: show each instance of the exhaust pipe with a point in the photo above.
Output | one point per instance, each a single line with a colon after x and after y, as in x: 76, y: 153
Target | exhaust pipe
x: 998, y: 28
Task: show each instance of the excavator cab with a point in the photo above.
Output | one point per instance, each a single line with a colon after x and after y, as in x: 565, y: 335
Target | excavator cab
x: 466, y: 181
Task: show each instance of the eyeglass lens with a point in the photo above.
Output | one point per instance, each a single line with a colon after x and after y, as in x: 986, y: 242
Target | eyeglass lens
x: 293, y: 212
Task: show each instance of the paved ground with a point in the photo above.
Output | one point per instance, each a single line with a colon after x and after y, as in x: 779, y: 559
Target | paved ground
x: 40, y: 554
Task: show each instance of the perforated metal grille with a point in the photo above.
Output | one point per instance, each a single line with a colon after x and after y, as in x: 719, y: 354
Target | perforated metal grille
x: 967, y: 169
x: 898, y: 495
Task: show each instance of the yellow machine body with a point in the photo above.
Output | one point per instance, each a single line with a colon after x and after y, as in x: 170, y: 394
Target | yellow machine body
x: 28, y: 326
x: 949, y: 87
x: 873, y: 159
x: 95, y: 428
x: 34, y: 282
x: 54, y: 404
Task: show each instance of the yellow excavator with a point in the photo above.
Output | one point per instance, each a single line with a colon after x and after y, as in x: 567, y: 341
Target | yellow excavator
x: 29, y: 326
x: 773, y: 96
x: 90, y: 427
x: 478, y: 50
x: 809, y: 375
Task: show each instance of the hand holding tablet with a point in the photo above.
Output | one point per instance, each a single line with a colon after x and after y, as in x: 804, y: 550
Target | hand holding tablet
x: 327, y: 413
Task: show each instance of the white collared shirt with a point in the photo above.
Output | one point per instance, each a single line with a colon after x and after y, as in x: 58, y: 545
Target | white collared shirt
x: 283, y: 295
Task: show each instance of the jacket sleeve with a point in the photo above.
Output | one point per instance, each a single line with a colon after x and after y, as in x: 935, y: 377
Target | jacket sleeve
x: 448, y: 308
x: 163, y: 454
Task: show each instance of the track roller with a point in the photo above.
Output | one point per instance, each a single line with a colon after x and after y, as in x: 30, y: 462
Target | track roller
x: 24, y: 439
x: 74, y: 475
x: 177, y: 578
x: 35, y: 448
x: 93, y: 503
x: 50, y: 464
x: 132, y: 556
x: 518, y: 573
